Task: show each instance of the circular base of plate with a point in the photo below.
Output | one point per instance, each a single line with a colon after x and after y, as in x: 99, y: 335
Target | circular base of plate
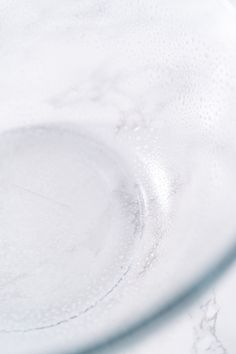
x: 70, y: 214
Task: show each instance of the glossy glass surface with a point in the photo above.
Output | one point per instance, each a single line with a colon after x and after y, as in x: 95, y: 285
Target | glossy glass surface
x: 117, y: 167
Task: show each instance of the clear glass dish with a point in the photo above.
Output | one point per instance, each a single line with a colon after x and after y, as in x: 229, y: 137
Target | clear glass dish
x: 117, y: 167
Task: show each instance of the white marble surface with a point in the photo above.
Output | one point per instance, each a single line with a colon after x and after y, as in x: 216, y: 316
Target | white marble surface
x: 209, y: 326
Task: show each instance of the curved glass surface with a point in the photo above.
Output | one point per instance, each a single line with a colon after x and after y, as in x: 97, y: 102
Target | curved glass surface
x: 117, y: 167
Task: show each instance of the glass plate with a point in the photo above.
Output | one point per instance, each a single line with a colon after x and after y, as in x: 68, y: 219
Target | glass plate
x: 117, y: 167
